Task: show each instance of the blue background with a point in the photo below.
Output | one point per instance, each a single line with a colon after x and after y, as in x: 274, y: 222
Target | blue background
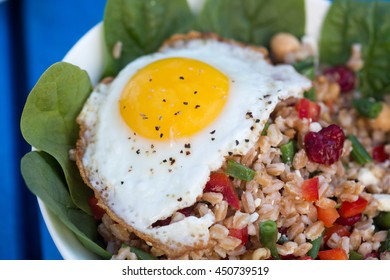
x: 33, y: 35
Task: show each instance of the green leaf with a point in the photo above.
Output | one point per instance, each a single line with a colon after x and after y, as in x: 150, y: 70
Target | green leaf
x: 48, y: 121
x: 44, y: 177
x: 142, y: 26
x: 253, y: 21
x: 367, y: 23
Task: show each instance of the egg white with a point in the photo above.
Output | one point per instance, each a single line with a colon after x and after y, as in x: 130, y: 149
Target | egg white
x: 141, y: 180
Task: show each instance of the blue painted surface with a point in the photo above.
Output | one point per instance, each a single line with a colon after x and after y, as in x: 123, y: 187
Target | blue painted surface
x: 33, y: 35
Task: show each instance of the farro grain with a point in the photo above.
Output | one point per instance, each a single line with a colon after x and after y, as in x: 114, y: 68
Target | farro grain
x: 314, y: 230
x: 274, y: 134
x: 275, y: 169
x: 286, y: 248
x: 261, y: 254
x: 124, y: 254
x: 240, y: 220
x: 212, y: 197
x: 220, y: 251
x: 300, y: 159
x: 365, y: 248
x: 229, y: 243
x: 248, y: 202
x: 218, y: 231
x: 220, y: 211
x: 119, y: 232
x: 295, y: 229
x: 302, y: 249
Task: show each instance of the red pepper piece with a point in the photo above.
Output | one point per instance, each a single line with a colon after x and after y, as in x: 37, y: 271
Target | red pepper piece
x: 349, y: 209
x: 333, y: 254
x: 241, y: 234
x: 220, y: 183
x: 339, y: 229
x: 308, y: 110
x: 310, y: 189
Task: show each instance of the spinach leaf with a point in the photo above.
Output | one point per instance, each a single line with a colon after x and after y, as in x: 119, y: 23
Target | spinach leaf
x: 253, y: 21
x: 366, y: 23
x: 49, y: 121
x: 141, y: 26
x: 44, y: 177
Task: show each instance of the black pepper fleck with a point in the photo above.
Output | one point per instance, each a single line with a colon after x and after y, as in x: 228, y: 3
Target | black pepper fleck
x: 181, y: 78
x: 212, y: 132
x: 187, y: 146
x: 246, y: 140
x: 138, y: 151
x: 237, y: 142
x: 197, y: 106
x: 161, y: 135
x: 185, y: 103
x: 157, y: 128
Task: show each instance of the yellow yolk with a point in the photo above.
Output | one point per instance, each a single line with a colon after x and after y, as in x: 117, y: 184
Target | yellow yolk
x: 173, y: 98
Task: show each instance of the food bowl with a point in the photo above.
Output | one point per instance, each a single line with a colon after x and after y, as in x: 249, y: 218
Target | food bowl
x: 88, y: 53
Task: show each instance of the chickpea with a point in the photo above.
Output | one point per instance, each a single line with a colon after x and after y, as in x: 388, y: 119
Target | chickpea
x: 283, y: 44
x: 382, y: 122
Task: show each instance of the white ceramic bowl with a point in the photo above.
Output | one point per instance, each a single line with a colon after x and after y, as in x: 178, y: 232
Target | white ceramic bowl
x: 88, y: 54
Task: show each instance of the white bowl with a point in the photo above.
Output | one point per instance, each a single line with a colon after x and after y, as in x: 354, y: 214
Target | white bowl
x: 88, y: 54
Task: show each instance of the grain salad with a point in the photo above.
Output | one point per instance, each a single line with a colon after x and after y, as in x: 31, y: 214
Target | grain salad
x: 316, y: 184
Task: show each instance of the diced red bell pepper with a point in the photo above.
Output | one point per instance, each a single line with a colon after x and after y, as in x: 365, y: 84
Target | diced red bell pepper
x: 333, y: 254
x: 327, y: 215
x: 379, y: 154
x: 349, y: 209
x: 350, y: 221
x: 220, y: 183
x: 339, y: 229
x: 308, y: 109
x: 97, y: 211
x: 241, y: 234
x: 310, y: 189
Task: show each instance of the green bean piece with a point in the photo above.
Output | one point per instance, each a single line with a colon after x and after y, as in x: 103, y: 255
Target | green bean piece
x: 368, y: 107
x: 310, y: 94
x: 288, y: 152
x: 383, y: 220
x: 141, y: 255
x: 353, y: 255
x: 269, y: 237
x: 239, y: 171
x: 265, y: 129
x: 313, y: 252
x: 304, y: 64
x: 385, y: 245
x: 359, y: 153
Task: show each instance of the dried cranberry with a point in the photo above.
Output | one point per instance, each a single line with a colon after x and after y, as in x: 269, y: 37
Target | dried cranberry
x: 161, y: 223
x: 325, y: 146
x: 350, y: 221
x: 186, y: 211
x: 343, y: 76
x: 379, y: 154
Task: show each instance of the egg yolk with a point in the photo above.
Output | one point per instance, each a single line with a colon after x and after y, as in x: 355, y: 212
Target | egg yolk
x: 173, y: 98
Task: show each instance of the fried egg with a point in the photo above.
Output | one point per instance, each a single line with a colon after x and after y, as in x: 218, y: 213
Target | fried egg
x: 150, y: 139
